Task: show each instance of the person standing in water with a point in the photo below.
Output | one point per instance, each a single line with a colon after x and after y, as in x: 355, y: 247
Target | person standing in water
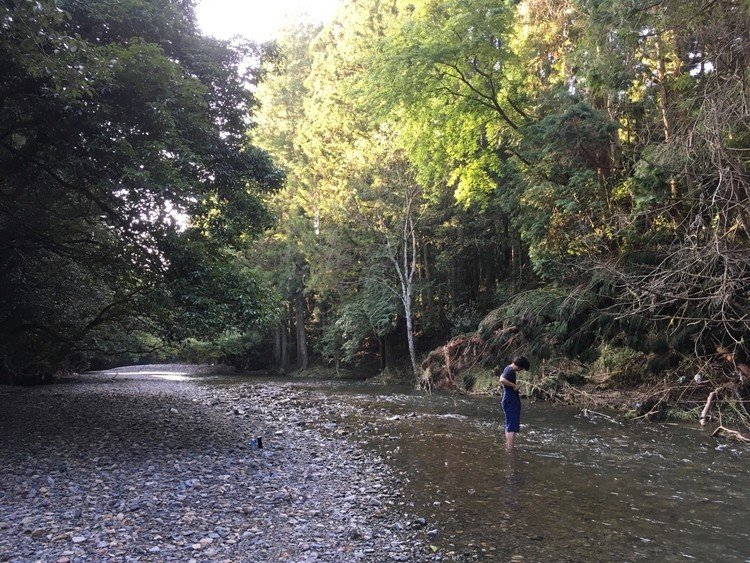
x: 512, y: 399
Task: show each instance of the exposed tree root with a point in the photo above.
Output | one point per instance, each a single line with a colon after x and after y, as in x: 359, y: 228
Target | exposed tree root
x: 444, y: 367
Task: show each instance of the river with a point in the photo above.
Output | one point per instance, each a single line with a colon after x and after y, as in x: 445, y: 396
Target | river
x: 578, y: 487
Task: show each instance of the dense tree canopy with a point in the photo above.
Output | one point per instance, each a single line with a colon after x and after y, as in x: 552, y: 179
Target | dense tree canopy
x: 598, y: 148
x: 578, y: 167
x: 123, y: 174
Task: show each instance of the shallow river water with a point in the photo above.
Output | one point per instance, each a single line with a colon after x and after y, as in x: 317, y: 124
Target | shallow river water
x: 578, y: 487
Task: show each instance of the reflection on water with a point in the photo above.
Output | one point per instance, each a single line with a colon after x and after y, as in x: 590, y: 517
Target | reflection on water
x: 577, y: 488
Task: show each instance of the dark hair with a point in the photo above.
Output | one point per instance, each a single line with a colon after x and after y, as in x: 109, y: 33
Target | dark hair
x: 522, y: 362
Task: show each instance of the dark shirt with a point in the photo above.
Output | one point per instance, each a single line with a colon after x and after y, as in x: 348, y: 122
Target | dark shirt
x: 510, y: 394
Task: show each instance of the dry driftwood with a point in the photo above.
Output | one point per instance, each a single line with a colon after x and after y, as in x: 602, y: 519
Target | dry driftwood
x: 729, y: 433
x: 709, y: 402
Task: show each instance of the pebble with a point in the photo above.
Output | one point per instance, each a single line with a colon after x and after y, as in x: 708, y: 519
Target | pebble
x: 133, y: 468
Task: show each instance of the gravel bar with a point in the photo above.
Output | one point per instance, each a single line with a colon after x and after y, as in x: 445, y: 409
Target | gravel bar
x: 133, y: 467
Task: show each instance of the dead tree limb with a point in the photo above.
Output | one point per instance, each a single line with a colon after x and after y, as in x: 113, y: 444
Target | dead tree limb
x: 729, y: 433
x: 709, y: 402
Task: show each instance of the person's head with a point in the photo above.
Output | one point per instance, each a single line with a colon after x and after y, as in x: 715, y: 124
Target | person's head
x: 521, y: 362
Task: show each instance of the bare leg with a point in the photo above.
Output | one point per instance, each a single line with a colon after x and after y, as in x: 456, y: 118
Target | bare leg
x: 510, y: 438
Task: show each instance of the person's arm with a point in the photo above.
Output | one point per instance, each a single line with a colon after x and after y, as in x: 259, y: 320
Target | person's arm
x: 508, y: 383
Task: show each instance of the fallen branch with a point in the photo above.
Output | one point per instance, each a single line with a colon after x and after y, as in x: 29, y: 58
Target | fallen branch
x: 704, y: 412
x: 587, y: 412
x: 729, y: 433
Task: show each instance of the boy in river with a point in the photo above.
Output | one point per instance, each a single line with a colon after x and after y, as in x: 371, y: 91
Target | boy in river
x: 512, y: 399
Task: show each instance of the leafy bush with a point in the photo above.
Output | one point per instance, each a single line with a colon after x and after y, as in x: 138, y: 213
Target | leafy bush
x: 480, y: 380
x: 618, y: 366
x: 244, y: 351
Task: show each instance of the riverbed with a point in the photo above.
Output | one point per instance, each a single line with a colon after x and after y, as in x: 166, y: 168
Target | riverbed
x: 156, y: 463
x: 580, y: 486
x: 158, y: 466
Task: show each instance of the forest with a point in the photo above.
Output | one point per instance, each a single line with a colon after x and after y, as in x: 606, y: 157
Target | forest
x: 416, y: 191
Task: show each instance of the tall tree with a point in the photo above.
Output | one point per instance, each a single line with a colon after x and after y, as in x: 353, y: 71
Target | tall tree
x: 546, y: 139
x: 124, y: 167
x: 588, y: 124
x: 279, y: 130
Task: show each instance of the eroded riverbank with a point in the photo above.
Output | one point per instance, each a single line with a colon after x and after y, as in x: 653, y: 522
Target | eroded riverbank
x: 149, y: 467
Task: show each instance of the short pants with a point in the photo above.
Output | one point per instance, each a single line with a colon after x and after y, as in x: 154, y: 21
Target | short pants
x: 512, y: 410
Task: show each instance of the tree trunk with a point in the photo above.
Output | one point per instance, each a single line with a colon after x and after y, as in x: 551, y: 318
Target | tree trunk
x: 664, y: 107
x: 410, y: 334
x: 405, y: 271
x: 402, y: 253
x: 390, y: 345
x: 284, y: 360
x: 277, y: 346
x: 300, y: 309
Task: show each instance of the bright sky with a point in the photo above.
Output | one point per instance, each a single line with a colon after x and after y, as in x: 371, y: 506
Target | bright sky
x: 258, y: 19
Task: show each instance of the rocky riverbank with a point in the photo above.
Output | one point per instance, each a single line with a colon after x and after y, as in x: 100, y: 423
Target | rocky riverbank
x: 144, y: 466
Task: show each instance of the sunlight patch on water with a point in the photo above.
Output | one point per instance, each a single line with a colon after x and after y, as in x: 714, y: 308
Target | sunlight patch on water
x: 169, y: 376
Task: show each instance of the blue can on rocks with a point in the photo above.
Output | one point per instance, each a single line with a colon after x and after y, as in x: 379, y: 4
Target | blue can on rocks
x: 256, y: 443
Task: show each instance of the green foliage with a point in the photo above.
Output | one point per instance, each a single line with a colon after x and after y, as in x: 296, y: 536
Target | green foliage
x: 480, y: 380
x: 119, y: 125
x: 586, y: 141
x: 210, y: 292
x: 619, y: 366
x: 391, y: 376
x: 464, y: 318
x: 580, y: 169
x: 683, y: 415
x: 577, y: 168
x: 371, y: 311
x: 237, y: 349
x: 565, y: 211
